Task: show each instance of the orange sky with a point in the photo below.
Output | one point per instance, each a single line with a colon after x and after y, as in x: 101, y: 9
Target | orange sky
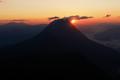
x: 39, y: 10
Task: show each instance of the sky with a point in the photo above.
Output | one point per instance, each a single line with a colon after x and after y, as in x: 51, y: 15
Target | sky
x: 40, y: 10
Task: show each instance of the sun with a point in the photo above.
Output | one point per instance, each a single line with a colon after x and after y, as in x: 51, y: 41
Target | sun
x: 73, y: 21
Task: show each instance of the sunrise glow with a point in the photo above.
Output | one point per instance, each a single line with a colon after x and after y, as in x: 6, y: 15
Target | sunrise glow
x: 38, y: 11
x: 73, y: 21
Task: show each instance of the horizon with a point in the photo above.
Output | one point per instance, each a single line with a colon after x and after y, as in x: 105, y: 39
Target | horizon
x: 91, y: 21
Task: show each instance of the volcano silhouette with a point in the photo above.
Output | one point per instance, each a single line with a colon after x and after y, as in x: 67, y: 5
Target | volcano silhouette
x: 61, y: 52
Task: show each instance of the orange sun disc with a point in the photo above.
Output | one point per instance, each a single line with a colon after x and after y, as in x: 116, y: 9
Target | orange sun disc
x: 73, y: 21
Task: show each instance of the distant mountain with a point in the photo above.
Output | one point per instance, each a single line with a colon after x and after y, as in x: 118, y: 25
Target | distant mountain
x: 110, y: 37
x: 104, y: 33
x: 13, y: 33
x: 91, y: 30
x: 61, y: 51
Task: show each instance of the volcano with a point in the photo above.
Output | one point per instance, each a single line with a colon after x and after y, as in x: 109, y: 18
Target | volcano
x: 60, y: 52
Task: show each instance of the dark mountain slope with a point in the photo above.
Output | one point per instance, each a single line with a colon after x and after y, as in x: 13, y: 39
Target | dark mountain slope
x: 61, y: 52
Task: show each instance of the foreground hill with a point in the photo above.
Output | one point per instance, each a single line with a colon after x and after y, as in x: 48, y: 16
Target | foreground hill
x: 61, y: 52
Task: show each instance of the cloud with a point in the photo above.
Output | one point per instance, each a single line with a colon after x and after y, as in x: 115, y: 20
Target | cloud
x: 15, y: 20
x: 1, y: 1
x: 71, y: 17
x: 108, y: 15
x: 18, y: 20
x: 52, y: 18
x: 80, y: 17
x: 86, y: 17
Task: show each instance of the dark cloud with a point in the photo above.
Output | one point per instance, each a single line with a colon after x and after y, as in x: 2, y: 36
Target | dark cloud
x: 108, y: 15
x: 55, y: 17
x: 1, y: 1
x: 15, y: 20
x: 86, y: 17
x: 80, y: 17
x: 71, y: 17
x: 18, y: 20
